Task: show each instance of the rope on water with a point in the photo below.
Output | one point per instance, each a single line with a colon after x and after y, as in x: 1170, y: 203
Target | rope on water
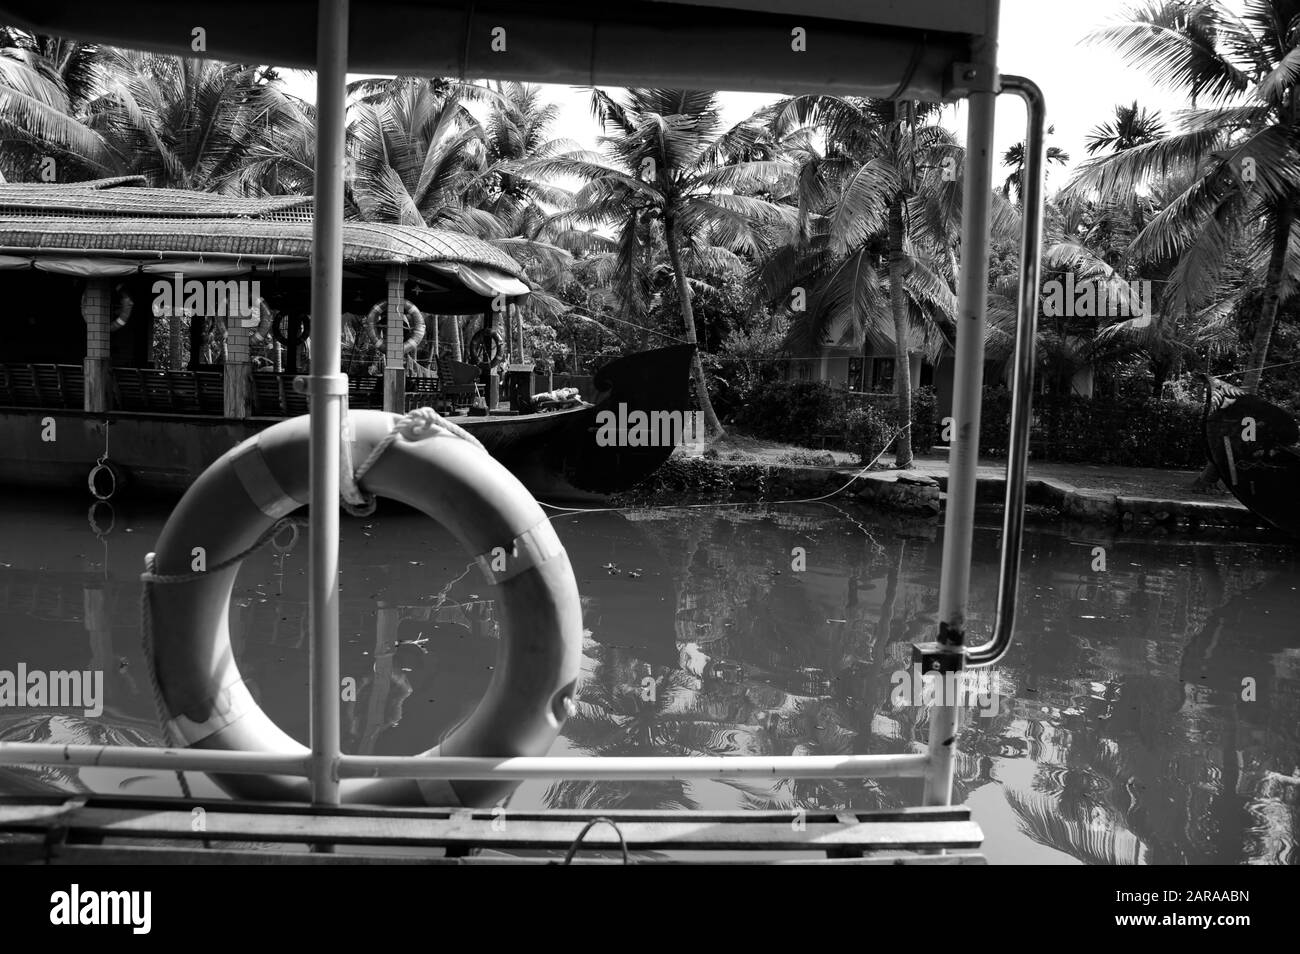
x: 577, y: 842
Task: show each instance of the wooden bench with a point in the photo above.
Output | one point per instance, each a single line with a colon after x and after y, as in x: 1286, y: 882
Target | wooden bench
x: 424, y: 391
x: 366, y: 392
x: 168, y: 392
x: 459, y: 382
x: 274, y: 396
x: 118, y: 830
x: 43, y: 385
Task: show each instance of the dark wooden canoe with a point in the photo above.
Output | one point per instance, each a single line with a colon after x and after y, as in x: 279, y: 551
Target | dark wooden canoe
x: 557, y: 454
x: 1253, y: 445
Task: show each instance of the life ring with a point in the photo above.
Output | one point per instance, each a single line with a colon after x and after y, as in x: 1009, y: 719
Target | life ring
x: 105, y: 479
x: 487, y: 347
x: 280, y: 332
x: 264, y: 315
x: 411, y: 316
x: 125, y: 305
x: 242, y: 496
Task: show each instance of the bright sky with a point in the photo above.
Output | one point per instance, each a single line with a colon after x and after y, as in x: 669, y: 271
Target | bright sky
x: 1040, y: 39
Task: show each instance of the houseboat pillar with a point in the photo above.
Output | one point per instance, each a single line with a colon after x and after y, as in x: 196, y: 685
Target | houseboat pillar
x: 493, y: 379
x: 238, y: 376
x: 95, y: 305
x: 394, y: 340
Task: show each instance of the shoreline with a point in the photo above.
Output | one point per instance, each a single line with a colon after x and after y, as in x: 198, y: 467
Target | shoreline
x: 1096, y: 497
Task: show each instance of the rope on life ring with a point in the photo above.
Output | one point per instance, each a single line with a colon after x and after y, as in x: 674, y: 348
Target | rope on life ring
x: 412, y: 318
x: 126, y: 304
x: 486, y: 346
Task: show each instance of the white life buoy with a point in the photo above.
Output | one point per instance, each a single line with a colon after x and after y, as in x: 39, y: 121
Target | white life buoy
x: 411, y: 315
x: 125, y: 304
x: 237, y: 500
x: 264, y: 315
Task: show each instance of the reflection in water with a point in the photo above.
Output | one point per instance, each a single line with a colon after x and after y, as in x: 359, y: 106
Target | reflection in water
x: 1148, y: 712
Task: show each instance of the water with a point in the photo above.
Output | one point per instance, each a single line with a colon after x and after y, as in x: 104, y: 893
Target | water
x: 1148, y: 713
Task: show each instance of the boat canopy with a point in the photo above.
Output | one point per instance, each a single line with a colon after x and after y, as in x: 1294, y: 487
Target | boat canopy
x: 891, y: 48
x: 111, y: 228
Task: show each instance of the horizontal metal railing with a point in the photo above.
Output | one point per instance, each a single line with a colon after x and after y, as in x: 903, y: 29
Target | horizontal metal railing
x: 467, y: 768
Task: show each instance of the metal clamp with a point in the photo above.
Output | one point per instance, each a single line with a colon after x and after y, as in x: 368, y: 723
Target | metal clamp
x: 967, y: 78
x: 321, y: 385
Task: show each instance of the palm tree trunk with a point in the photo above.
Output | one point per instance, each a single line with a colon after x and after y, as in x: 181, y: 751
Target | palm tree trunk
x: 711, y: 421
x: 457, y: 347
x: 175, y: 343
x: 1209, y: 476
x: 1269, y: 306
x: 902, y: 360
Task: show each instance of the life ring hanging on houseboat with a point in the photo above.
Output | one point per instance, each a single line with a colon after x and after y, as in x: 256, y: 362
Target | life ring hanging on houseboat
x: 280, y: 331
x: 125, y: 305
x: 242, y: 498
x: 412, y: 317
x: 486, y: 346
x: 265, y: 317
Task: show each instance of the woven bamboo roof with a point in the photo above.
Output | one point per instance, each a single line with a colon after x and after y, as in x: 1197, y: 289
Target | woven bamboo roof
x: 363, y: 242
x: 127, y: 196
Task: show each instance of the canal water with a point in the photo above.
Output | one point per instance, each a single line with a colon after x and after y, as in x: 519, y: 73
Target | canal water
x: 1149, y: 711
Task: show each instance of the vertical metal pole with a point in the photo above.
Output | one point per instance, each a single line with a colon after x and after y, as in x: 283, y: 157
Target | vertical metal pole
x: 326, y: 397
x: 977, y: 184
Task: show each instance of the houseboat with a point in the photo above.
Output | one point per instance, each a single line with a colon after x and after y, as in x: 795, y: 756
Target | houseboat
x: 148, y: 331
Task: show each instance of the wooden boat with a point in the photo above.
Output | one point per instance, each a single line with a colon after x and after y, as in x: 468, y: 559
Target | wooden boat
x: 1255, y: 446
x: 73, y: 382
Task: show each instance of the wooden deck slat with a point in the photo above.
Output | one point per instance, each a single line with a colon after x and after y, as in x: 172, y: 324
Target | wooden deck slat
x: 37, y: 852
x: 166, y: 803
x: 515, y: 833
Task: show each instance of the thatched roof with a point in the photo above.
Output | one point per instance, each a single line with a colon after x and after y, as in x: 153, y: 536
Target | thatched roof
x: 126, y: 196
x: 120, y: 217
x: 363, y: 242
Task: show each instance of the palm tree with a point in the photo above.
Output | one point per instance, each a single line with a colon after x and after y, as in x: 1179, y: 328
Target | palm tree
x: 1014, y: 159
x: 675, y: 179
x: 1239, y: 154
x: 45, y: 83
x: 188, y: 123
x: 874, y: 242
x: 1132, y: 126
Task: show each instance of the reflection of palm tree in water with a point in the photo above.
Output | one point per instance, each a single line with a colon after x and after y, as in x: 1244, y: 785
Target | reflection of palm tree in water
x: 1124, y: 795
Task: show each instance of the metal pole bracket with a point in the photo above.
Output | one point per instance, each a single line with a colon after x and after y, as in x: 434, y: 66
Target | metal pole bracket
x: 321, y: 385
x: 967, y: 78
x: 938, y: 657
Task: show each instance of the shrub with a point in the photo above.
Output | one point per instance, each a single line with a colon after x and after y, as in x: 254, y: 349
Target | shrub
x: 792, y: 411
x: 869, y: 429
x: 1069, y: 429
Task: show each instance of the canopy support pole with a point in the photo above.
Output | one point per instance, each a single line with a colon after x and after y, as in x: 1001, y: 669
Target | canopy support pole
x: 977, y: 185
x: 328, y: 389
